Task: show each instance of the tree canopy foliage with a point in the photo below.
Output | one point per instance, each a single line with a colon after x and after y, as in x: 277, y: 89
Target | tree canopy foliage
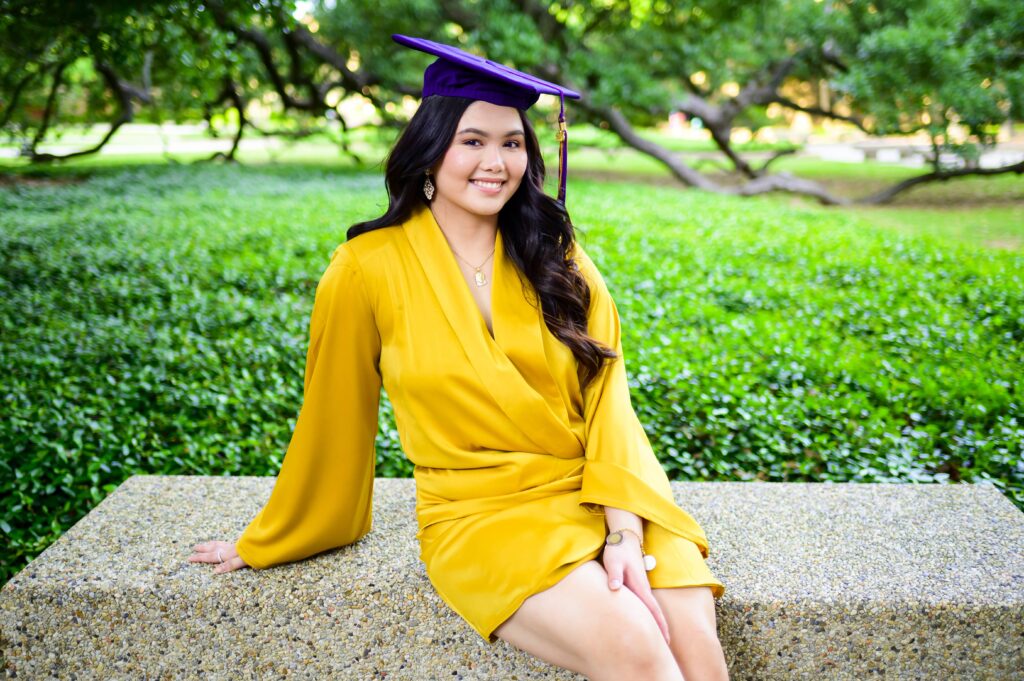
x: 952, y: 69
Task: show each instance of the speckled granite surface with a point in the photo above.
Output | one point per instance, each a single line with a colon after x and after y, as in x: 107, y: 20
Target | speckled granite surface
x: 822, y: 582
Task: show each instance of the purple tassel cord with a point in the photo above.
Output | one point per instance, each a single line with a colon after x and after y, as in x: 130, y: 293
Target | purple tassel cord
x: 563, y: 149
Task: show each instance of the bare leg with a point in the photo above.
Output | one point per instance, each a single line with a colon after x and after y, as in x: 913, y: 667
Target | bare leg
x: 581, y: 625
x: 693, y: 629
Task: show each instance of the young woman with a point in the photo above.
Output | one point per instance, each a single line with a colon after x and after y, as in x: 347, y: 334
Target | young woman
x: 544, y: 517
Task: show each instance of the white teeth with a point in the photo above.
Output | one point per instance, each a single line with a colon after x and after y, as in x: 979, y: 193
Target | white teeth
x: 488, y: 185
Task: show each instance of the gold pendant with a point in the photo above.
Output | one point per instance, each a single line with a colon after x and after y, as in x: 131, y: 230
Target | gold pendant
x: 480, y: 277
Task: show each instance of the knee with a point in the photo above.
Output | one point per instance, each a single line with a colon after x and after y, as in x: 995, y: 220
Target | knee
x: 695, y: 627
x: 688, y: 615
x: 630, y: 646
x: 704, y: 637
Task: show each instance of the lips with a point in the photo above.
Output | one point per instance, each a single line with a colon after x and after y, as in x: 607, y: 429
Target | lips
x: 489, y: 186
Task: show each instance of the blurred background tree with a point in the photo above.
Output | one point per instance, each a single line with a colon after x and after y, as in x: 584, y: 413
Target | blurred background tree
x: 951, y: 69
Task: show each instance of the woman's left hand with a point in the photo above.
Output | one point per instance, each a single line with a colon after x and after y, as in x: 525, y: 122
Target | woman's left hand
x: 221, y: 552
x: 624, y: 563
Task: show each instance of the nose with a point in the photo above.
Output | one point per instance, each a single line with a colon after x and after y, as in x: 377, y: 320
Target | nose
x: 492, y: 159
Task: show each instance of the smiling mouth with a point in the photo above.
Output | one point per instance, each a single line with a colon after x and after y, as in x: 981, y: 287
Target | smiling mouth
x: 486, y: 184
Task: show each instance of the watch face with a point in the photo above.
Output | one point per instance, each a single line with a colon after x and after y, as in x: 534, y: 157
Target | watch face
x: 614, y: 538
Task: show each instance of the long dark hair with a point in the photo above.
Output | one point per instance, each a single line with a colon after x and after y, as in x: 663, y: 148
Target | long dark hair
x: 535, y: 228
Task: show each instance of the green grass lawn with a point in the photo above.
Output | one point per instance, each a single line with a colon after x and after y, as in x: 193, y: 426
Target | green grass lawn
x: 154, y: 320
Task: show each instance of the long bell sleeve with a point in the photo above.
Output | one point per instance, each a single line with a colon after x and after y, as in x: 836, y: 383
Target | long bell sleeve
x: 322, y: 498
x: 621, y: 469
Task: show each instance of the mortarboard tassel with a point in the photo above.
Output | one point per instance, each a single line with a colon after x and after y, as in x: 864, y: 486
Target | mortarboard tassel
x: 563, y: 148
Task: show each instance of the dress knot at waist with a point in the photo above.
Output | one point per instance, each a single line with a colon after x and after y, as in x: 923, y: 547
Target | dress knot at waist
x: 444, y: 494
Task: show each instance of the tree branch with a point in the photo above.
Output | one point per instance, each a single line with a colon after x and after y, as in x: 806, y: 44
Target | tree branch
x: 624, y: 130
x: 717, y: 119
x: 937, y: 176
x: 774, y: 157
x: 785, y: 182
x: 353, y: 81
x: 51, y: 103
x: 817, y: 111
x: 264, y: 51
x: 231, y: 93
x: 689, y: 176
x: 458, y: 13
x: 297, y: 76
x: 721, y: 135
x: 16, y: 95
x: 124, y: 92
x: 832, y: 55
x: 344, y: 138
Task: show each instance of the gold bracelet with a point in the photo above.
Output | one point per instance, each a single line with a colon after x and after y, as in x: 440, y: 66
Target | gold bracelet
x: 616, y: 537
x: 619, y: 541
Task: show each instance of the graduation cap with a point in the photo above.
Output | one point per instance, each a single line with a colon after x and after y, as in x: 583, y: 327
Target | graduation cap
x: 457, y: 73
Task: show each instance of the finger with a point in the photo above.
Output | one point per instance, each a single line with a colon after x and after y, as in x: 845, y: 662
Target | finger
x: 614, y: 569
x: 230, y: 565
x: 207, y: 552
x: 210, y: 547
x: 652, y: 604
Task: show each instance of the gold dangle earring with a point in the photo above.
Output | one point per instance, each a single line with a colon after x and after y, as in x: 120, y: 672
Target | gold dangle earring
x: 428, y: 188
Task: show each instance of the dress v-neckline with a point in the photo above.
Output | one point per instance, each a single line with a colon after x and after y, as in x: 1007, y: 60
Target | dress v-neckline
x: 490, y: 332
x: 490, y: 291
x: 515, y: 350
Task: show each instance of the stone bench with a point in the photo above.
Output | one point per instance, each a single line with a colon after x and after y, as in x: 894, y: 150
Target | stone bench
x: 823, y: 581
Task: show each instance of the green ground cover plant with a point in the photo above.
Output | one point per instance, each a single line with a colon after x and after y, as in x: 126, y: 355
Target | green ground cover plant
x: 153, y: 319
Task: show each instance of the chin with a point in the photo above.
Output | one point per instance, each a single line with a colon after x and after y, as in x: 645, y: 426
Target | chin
x: 485, y: 207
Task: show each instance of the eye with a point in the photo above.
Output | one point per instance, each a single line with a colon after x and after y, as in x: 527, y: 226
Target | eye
x: 515, y: 143
x: 471, y: 141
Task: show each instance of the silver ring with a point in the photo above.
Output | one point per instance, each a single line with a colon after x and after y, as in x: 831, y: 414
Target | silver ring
x: 218, y: 556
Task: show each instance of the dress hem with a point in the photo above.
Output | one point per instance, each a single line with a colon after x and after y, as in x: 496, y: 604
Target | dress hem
x: 717, y: 588
x: 549, y: 581
x: 487, y: 633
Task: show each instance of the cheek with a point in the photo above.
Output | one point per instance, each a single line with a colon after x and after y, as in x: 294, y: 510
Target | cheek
x: 457, y: 162
x: 517, y: 166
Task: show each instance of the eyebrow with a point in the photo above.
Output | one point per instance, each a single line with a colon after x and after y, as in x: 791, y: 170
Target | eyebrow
x: 477, y: 131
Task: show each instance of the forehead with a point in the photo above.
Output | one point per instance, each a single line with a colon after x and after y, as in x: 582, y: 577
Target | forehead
x: 490, y: 117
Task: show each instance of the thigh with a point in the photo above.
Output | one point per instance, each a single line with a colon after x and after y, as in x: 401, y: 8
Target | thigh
x: 577, y: 619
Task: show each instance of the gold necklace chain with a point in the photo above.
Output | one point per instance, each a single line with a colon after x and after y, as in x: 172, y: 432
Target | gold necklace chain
x: 479, y: 277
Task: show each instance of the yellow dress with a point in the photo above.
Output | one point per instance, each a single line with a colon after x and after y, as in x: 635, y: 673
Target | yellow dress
x: 513, y: 462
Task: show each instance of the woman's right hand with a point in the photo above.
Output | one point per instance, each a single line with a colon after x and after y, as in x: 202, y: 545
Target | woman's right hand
x: 214, y: 552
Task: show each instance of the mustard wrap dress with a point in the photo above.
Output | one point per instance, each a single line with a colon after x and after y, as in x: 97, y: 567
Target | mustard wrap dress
x: 513, y: 462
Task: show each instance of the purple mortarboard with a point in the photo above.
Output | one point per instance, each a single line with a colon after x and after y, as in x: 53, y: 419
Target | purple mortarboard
x: 457, y: 73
